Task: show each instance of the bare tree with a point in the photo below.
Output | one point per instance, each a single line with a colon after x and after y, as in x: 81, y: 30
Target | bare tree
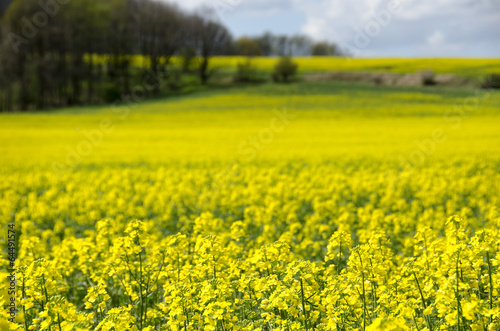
x: 83, y: 52
x: 159, y: 33
x: 324, y: 48
x: 300, y: 45
x: 265, y: 43
x: 209, y: 37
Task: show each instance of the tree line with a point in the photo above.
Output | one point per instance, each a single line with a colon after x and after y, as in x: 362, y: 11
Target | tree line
x: 269, y: 44
x: 60, y: 52
x: 56, y: 53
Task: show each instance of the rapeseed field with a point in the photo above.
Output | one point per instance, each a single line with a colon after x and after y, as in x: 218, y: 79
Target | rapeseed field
x: 465, y: 67
x: 309, y: 206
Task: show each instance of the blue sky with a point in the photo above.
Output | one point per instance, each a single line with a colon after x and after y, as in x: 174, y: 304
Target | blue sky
x: 372, y: 28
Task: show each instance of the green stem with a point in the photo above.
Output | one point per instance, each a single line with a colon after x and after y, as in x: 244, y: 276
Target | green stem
x: 140, y: 291
x: 303, y: 303
x: 59, y: 322
x: 340, y: 257
x: 491, y: 283
x: 364, y: 301
x: 44, y: 289
x: 364, y: 293
x: 24, y: 307
x: 457, y: 292
x: 429, y: 324
x: 416, y: 324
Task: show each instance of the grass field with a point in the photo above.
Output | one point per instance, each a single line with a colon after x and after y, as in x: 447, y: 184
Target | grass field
x: 309, y: 206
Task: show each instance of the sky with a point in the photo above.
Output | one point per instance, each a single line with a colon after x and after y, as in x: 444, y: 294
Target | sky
x: 371, y: 28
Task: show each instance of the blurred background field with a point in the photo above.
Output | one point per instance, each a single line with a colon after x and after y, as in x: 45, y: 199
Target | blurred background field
x: 227, y: 65
x: 466, y: 67
x: 331, y: 120
x: 463, y: 67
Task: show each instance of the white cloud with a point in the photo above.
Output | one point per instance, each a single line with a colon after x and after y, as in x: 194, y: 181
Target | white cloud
x: 436, y: 38
x: 432, y: 28
x: 259, y: 7
x: 422, y: 28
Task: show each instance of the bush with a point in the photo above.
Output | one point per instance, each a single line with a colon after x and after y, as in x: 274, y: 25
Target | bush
x: 188, y: 56
x: 175, y: 79
x: 246, y: 72
x: 111, y: 93
x: 427, y: 77
x: 285, y: 69
x: 492, y: 81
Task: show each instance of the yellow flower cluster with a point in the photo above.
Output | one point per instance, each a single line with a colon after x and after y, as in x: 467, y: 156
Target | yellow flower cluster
x: 275, y: 247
